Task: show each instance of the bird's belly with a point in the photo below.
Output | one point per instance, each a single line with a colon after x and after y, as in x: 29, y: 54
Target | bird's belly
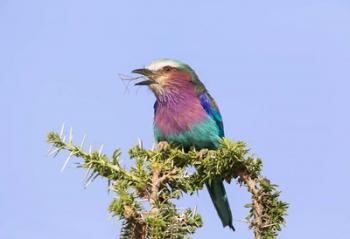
x: 204, y: 134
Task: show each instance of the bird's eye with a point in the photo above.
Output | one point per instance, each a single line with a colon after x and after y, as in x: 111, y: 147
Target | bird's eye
x: 167, y: 68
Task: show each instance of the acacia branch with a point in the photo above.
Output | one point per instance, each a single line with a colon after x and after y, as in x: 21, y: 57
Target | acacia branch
x: 256, y: 222
x: 155, y: 189
x: 233, y: 161
x: 159, y: 176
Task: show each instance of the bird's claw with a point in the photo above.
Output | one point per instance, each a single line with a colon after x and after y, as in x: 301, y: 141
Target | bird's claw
x: 163, y: 145
x: 202, y: 153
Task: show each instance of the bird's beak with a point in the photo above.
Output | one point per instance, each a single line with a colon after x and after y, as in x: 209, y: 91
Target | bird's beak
x: 143, y: 71
x: 147, y: 73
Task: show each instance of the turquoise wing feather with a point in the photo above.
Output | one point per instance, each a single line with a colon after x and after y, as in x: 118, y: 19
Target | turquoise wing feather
x: 216, y: 186
x: 211, y: 108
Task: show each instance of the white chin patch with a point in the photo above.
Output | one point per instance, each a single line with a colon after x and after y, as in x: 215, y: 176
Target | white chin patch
x: 159, y: 64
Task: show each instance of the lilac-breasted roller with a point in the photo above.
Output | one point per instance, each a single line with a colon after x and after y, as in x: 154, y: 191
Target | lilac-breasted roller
x: 186, y: 114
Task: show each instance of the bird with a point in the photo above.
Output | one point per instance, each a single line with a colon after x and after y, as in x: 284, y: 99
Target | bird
x: 186, y: 114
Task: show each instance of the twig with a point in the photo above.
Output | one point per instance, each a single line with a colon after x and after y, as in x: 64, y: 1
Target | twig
x: 155, y: 189
x: 257, y: 223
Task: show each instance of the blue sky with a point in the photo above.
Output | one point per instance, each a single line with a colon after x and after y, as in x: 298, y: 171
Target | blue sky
x: 279, y: 71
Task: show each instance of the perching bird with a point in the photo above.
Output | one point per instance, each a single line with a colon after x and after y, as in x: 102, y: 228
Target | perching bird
x: 185, y: 113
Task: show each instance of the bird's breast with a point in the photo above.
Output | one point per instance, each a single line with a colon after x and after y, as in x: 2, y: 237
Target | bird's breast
x: 187, y: 124
x: 177, y: 117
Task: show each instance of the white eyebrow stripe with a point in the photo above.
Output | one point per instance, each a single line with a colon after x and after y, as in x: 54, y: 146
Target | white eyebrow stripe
x: 159, y: 64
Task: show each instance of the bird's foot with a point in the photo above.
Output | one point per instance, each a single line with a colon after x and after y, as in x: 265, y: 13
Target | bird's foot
x: 163, y: 145
x: 202, y: 153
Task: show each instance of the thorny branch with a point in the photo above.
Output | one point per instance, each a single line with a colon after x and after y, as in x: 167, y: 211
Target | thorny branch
x: 155, y: 189
x: 256, y: 222
x: 159, y: 176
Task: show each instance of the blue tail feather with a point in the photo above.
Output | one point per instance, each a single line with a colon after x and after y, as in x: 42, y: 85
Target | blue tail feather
x: 218, y: 196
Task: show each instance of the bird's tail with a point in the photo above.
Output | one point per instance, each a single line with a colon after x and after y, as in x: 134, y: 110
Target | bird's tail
x: 218, y: 196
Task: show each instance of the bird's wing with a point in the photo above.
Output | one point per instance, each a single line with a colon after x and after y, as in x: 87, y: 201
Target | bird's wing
x: 155, y: 106
x: 212, y: 109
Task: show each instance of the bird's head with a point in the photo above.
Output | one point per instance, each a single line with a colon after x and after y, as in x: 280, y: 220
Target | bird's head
x: 166, y: 75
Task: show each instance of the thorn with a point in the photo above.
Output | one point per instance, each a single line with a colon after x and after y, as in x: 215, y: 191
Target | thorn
x: 194, y: 211
x: 109, y: 186
x: 92, y: 178
x: 62, y: 130
x: 243, y: 221
x: 53, y: 151
x: 83, y: 141
x: 50, y: 149
x: 87, y: 173
x: 70, y: 135
x: 140, y: 143
x: 66, y: 162
x: 100, y: 150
